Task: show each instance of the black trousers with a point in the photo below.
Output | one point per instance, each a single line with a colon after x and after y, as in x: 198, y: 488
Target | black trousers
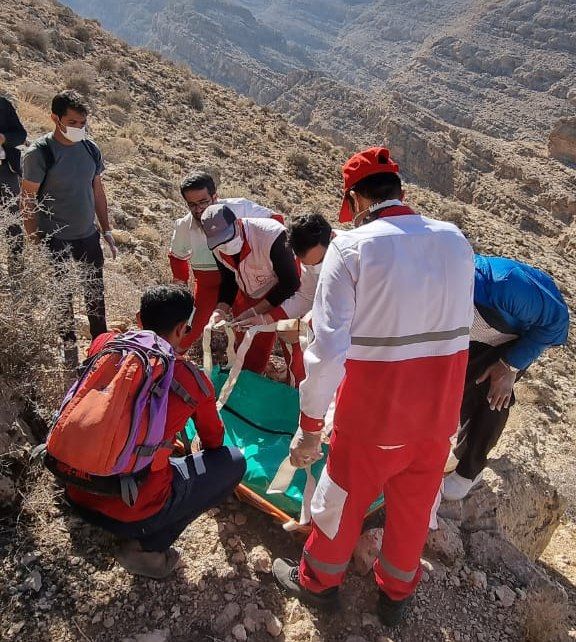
x: 201, y: 481
x: 9, y: 189
x: 481, y: 427
x: 90, y: 258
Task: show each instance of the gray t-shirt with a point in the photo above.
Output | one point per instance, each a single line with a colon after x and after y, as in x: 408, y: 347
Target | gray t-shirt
x: 67, y: 192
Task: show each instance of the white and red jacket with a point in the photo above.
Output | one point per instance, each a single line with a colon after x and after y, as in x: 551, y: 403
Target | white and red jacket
x: 300, y: 303
x: 188, y: 244
x: 254, y: 273
x: 391, y: 320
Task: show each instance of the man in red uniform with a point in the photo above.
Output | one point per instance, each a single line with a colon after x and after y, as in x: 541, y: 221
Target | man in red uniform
x: 391, y: 321
x: 174, y: 495
x: 188, y: 245
x: 258, y: 272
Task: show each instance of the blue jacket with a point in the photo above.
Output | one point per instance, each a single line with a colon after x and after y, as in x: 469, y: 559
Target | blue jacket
x: 523, y: 301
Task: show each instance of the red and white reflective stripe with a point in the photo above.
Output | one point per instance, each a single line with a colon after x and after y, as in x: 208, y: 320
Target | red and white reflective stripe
x: 329, y: 568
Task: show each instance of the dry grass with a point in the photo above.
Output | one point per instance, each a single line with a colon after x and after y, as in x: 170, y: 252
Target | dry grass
x: 32, y: 301
x: 118, y: 149
x: 193, y: 95
x: 37, y: 119
x: 299, y: 162
x: 36, y: 94
x: 107, y: 64
x: 80, y: 76
x: 120, y: 98
x: 545, y: 619
x: 35, y: 37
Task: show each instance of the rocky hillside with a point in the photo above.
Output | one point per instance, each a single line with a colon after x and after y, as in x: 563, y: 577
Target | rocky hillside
x: 466, y: 92
x: 498, y: 569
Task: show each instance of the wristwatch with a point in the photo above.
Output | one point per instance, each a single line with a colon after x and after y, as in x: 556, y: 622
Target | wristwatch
x: 511, y: 368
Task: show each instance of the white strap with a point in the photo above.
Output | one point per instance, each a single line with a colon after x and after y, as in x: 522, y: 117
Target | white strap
x: 281, y: 483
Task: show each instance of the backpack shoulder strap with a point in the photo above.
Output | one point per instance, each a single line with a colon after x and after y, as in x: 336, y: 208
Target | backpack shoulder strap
x: 43, y: 146
x: 178, y: 389
x: 93, y: 150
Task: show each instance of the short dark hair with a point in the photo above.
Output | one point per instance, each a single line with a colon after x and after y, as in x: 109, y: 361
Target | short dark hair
x: 379, y: 187
x: 163, y: 307
x: 69, y: 99
x: 306, y: 231
x: 198, y: 180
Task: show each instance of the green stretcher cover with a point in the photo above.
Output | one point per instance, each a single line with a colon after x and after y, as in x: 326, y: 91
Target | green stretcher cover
x: 260, y: 418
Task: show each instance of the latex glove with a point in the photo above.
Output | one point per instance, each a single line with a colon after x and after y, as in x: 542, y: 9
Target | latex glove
x: 217, y: 316
x: 252, y: 320
x: 502, y: 381
x: 111, y: 244
x: 305, y: 448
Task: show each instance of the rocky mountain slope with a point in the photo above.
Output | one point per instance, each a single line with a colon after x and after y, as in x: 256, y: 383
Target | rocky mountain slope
x: 155, y: 121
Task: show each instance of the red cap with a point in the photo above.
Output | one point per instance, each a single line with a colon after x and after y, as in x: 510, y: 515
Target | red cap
x: 375, y: 160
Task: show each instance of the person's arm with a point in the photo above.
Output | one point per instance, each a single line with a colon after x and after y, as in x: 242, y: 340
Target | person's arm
x: 332, y: 314
x: 300, y: 303
x: 13, y: 132
x: 101, y: 204
x: 284, y: 265
x: 541, y: 310
x: 181, y: 250
x: 29, y: 207
x: 180, y: 269
x: 208, y: 423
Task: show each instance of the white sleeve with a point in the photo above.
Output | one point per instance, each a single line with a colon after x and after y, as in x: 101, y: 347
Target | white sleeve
x: 181, y: 242
x: 243, y: 208
x: 332, y: 315
x: 300, y: 303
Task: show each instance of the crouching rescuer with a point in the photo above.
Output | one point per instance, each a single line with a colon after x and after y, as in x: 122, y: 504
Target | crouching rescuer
x: 391, y: 319
x: 115, y: 433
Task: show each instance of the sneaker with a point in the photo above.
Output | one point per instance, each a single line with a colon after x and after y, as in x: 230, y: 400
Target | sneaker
x: 136, y: 561
x: 392, y: 612
x: 456, y: 487
x: 286, y: 574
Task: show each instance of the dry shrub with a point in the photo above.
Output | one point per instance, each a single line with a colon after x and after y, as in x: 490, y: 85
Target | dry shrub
x: 82, y: 32
x: 107, y: 64
x: 147, y: 234
x: 118, y: 149
x: 120, y: 98
x: 545, y: 617
x: 6, y: 62
x: 298, y: 161
x: 32, y: 301
x: 35, y: 37
x: 134, y: 131
x: 36, y: 94
x: 37, y: 119
x: 80, y: 76
x: 160, y: 167
x: 193, y: 95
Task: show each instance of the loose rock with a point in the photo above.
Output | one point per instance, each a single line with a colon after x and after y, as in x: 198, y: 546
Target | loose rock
x: 505, y: 595
x: 260, y: 559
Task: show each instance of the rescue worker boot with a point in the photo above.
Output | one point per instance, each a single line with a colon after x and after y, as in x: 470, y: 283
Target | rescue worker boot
x: 156, y: 565
x: 392, y: 612
x: 286, y: 574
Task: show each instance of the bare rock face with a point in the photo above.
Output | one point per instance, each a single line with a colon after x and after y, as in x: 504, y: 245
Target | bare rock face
x: 521, y: 505
x: 562, y: 142
x: 445, y: 543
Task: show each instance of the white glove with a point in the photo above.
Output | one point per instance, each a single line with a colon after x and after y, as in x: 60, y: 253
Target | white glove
x: 305, y: 448
x: 217, y: 316
x: 111, y: 244
x: 252, y: 320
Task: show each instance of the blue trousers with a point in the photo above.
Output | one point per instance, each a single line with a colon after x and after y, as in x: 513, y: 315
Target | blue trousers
x: 201, y: 481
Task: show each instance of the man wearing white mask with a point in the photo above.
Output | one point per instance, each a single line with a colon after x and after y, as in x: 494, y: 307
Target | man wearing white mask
x: 62, y: 197
x: 309, y: 236
x: 258, y: 269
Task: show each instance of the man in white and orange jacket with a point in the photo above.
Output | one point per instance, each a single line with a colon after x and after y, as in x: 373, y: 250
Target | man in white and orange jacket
x: 258, y: 272
x: 188, y: 245
x: 309, y: 236
x: 391, y: 321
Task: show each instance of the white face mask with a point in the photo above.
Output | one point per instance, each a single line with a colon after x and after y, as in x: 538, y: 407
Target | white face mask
x: 232, y: 247
x: 314, y: 269
x: 74, y: 134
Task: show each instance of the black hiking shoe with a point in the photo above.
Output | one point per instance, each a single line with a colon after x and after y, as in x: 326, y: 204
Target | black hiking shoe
x: 392, y: 612
x: 285, y: 573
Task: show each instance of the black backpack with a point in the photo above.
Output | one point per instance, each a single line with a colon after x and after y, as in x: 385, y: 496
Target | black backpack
x: 48, y: 155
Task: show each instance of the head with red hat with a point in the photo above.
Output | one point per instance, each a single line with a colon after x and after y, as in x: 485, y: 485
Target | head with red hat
x: 370, y: 177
